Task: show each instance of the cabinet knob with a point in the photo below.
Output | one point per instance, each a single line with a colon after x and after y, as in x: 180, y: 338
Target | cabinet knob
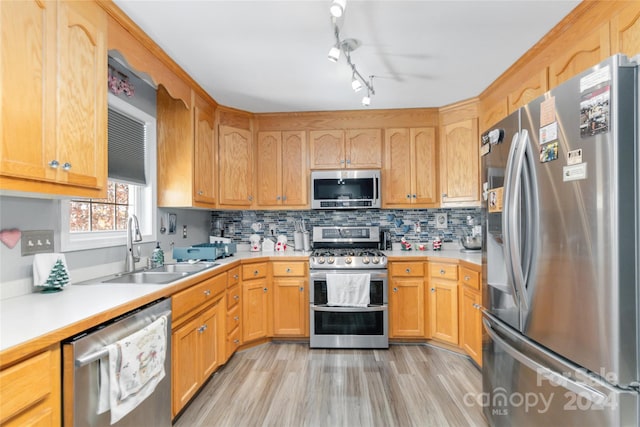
x: 408, y: 270
x: 341, y: 162
x: 277, y: 197
x: 348, y: 161
x: 444, y: 195
x: 301, y: 289
x: 442, y: 271
x: 200, y: 193
x: 66, y: 166
x: 284, y: 198
x: 250, y: 198
x: 236, y: 297
x: 467, y: 278
x: 395, y: 289
x: 264, y: 290
x: 236, y: 341
x: 408, y: 196
x: 433, y: 289
x: 288, y: 270
x: 256, y: 272
x: 414, y: 196
x: 207, y: 292
x: 54, y: 164
x: 237, y: 318
x: 235, y: 277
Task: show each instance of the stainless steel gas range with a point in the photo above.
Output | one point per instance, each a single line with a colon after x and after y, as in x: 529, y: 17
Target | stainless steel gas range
x: 340, y: 251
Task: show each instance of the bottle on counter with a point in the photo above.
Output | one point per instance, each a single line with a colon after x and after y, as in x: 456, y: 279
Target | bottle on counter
x: 157, y: 257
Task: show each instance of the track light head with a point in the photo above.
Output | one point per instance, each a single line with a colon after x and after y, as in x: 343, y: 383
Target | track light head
x: 366, y: 100
x: 355, y: 84
x: 334, y: 54
x: 337, y: 8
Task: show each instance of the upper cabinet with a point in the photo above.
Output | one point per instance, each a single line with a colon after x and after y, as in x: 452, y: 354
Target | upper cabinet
x: 459, y: 155
x: 410, y: 168
x: 625, y: 30
x: 351, y: 149
x: 235, y: 153
x: 186, y: 152
x: 281, y: 170
x: 535, y: 86
x: 54, y: 103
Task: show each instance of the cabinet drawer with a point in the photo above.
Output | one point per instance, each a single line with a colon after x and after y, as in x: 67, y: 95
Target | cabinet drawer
x: 233, y: 319
x: 234, y: 340
x: 233, y: 296
x: 443, y: 271
x: 254, y: 271
x: 289, y: 269
x: 470, y: 278
x: 234, y: 276
x: 184, y: 302
x: 407, y: 269
x: 25, y: 384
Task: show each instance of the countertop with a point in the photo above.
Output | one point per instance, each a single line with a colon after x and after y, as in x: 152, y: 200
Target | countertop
x: 29, y: 317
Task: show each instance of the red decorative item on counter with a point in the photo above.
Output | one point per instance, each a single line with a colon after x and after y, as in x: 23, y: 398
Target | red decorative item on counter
x: 437, y: 244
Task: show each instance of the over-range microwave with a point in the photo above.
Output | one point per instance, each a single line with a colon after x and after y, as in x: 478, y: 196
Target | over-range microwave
x: 345, y: 189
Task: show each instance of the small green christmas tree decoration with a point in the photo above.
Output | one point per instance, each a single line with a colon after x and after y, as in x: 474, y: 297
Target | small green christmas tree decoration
x: 58, y: 278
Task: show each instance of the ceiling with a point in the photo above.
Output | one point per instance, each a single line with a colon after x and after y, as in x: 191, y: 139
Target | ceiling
x: 271, y: 56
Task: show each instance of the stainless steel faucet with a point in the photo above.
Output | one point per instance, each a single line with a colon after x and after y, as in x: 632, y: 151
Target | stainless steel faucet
x: 130, y: 261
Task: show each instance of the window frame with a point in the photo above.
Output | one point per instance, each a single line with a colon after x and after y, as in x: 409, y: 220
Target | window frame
x: 145, y: 198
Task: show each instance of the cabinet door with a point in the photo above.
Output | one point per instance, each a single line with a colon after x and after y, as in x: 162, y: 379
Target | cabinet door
x: 289, y: 308
x: 234, y: 154
x: 535, y: 86
x: 397, y: 167
x: 471, y: 323
x: 326, y: 149
x: 185, y: 372
x: 625, y: 28
x: 425, y: 166
x: 364, y: 149
x: 204, y: 154
x: 406, y: 308
x: 459, y: 163
x: 295, y: 176
x: 211, y: 331
x: 254, y: 309
x: 27, y: 77
x: 81, y: 119
x: 269, y: 169
x: 443, y: 306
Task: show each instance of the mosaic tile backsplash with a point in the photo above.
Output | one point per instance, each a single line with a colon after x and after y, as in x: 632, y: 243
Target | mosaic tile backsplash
x: 401, y: 223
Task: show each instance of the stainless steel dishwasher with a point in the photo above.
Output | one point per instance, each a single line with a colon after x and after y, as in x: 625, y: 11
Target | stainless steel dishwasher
x: 82, y: 356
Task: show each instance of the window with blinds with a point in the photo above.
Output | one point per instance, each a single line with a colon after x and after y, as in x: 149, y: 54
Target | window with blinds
x: 127, y: 146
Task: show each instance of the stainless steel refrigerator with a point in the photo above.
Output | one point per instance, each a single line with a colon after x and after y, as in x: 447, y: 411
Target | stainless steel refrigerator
x: 561, y: 256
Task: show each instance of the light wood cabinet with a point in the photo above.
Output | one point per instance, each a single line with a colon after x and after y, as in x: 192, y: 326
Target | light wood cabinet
x: 625, y: 30
x: 470, y: 315
x: 255, y: 302
x: 54, y: 102
x: 30, y: 391
x: 410, y: 165
x: 406, y: 300
x: 186, y: 152
x: 281, y: 170
x: 350, y: 149
x: 535, y: 86
x: 235, y: 148
x: 290, y: 299
x: 198, y: 337
x: 459, y: 155
x: 443, y: 302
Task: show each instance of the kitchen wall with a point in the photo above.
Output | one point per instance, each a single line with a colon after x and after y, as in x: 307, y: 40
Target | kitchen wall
x: 240, y: 222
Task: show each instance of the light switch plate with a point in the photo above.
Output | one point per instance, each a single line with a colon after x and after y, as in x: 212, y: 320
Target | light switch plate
x: 441, y: 220
x: 36, y: 242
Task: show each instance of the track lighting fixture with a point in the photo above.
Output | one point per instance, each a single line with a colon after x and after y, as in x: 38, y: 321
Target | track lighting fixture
x: 337, y: 8
x: 348, y: 46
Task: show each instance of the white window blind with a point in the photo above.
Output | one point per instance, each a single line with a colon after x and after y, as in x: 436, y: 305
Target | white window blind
x: 127, y: 146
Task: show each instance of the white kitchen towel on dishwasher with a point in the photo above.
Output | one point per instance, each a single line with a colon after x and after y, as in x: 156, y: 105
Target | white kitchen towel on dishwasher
x: 348, y: 290
x: 136, y: 366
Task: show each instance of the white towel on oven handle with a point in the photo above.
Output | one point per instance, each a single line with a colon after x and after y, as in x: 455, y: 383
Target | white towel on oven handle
x: 348, y: 290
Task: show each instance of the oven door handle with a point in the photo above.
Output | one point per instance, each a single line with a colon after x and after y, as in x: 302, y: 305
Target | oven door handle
x: 349, y: 309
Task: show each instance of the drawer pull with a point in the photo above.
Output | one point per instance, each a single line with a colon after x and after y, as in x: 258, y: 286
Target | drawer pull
x: 235, y: 277
x: 408, y: 270
x: 301, y: 289
x: 236, y: 318
x: 54, y: 164
x: 236, y: 297
x: 395, y: 289
x: 255, y: 273
x: 264, y: 290
x: 288, y: 270
x: 433, y: 289
x: 442, y: 271
x: 467, y: 278
x: 66, y: 166
x: 236, y: 341
x: 207, y: 292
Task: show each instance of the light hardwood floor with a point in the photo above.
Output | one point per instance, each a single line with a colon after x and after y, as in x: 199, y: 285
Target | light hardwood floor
x: 288, y: 384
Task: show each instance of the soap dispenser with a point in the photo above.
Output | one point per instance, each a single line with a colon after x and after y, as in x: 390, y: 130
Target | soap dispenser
x: 157, y: 257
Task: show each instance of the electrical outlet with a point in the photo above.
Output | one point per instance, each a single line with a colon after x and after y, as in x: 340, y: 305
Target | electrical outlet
x: 272, y: 229
x: 184, y: 231
x: 232, y: 229
x: 36, y: 242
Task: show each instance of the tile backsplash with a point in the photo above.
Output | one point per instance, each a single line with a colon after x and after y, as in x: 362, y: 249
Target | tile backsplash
x: 400, y: 222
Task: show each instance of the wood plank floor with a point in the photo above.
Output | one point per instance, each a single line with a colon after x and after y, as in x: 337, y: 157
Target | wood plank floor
x: 288, y: 384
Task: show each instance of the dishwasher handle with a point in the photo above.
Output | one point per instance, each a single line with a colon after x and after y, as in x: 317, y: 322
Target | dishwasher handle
x: 104, y: 351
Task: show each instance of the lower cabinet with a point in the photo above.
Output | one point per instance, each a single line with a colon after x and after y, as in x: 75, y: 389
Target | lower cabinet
x: 198, y: 337
x: 290, y: 299
x: 30, y: 391
x: 443, y: 302
x: 470, y: 314
x: 255, y: 302
x: 406, y: 300
x: 234, y: 312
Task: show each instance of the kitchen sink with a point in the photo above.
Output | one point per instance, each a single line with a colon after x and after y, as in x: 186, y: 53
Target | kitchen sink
x: 147, y: 277
x: 183, y: 267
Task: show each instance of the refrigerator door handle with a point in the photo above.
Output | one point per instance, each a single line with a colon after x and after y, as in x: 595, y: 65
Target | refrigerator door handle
x: 506, y: 231
x: 580, y: 389
x: 512, y: 219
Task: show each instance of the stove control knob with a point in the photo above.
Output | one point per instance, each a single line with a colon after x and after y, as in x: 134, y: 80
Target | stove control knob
x: 376, y: 260
x: 331, y: 260
x: 365, y: 260
x: 348, y: 260
x: 321, y: 260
